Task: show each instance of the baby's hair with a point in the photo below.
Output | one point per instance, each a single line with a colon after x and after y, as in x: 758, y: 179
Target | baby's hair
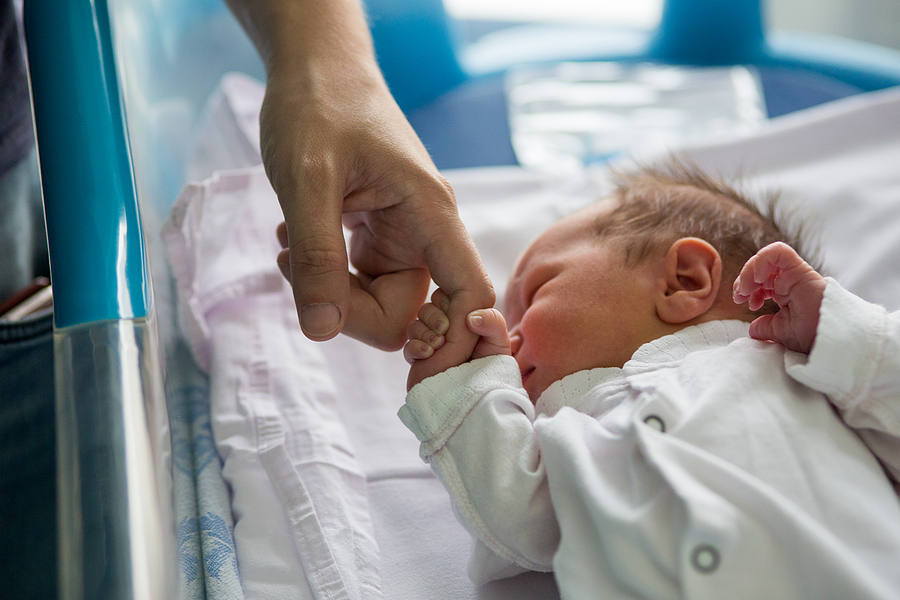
x: 660, y: 204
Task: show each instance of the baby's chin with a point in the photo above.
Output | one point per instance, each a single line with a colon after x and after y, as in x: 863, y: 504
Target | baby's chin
x: 539, y: 379
x: 534, y: 388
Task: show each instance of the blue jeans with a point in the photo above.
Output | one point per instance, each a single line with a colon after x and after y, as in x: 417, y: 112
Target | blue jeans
x: 23, y: 242
x: 27, y: 460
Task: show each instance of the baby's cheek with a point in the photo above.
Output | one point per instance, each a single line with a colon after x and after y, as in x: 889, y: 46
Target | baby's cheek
x: 544, y: 335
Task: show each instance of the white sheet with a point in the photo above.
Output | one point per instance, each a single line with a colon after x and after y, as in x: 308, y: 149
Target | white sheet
x: 380, y: 522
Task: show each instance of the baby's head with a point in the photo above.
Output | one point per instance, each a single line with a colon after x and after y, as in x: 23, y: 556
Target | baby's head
x: 659, y: 255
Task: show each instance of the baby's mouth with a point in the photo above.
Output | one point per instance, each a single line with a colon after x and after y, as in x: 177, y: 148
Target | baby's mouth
x: 526, y: 373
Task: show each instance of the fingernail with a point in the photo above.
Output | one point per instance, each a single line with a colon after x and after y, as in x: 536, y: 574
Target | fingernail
x: 475, y: 319
x: 319, y: 320
x: 441, y: 326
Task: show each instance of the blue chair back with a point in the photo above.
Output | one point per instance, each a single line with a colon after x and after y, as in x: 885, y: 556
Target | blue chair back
x: 416, y: 47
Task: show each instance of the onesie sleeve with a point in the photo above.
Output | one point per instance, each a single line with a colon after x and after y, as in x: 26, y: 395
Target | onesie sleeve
x: 475, y: 423
x: 855, y: 361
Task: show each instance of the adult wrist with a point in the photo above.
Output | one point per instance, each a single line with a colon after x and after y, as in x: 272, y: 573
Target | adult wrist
x: 294, y: 35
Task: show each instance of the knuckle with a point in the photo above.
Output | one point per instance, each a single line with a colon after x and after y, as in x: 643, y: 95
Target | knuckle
x: 314, y: 259
x: 382, y: 338
x: 296, y: 169
x: 424, y: 311
x: 417, y: 329
x: 390, y: 342
x: 487, y: 292
x: 446, y: 188
x: 315, y: 169
x: 434, y: 191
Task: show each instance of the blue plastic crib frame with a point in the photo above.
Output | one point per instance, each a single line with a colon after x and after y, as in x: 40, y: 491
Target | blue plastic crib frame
x: 104, y: 174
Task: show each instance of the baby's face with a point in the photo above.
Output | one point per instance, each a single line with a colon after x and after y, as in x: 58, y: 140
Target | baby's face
x: 573, y: 304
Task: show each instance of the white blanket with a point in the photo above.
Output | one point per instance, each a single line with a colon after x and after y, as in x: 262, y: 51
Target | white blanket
x: 329, y: 496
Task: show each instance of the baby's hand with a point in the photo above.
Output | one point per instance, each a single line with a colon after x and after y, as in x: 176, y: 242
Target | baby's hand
x: 778, y: 272
x: 426, y: 336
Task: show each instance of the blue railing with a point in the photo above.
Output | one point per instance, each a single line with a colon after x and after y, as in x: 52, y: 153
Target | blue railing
x: 97, y: 257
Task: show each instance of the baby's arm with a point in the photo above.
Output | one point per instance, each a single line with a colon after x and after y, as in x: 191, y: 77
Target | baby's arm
x: 426, y: 336
x: 777, y: 272
x: 476, y: 428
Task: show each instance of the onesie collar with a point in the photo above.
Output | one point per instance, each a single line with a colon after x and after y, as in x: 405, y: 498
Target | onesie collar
x: 674, y: 347
x: 572, y: 389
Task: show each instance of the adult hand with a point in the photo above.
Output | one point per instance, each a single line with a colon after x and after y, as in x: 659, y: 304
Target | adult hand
x: 338, y: 150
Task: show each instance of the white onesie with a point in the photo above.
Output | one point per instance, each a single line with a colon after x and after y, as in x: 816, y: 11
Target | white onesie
x: 710, y: 466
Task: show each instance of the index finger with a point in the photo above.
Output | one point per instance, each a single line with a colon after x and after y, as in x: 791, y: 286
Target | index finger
x: 457, y: 269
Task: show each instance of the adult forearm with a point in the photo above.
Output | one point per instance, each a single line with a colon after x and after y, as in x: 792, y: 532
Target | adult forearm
x: 303, y: 34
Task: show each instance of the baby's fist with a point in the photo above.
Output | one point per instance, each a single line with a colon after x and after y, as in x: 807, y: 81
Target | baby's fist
x: 426, y: 333
x: 426, y: 337
x: 778, y: 273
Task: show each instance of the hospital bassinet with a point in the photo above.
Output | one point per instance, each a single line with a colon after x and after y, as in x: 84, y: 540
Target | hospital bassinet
x: 109, y: 178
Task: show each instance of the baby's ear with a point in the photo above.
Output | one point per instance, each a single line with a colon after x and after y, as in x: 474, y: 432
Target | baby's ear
x: 691, y: 275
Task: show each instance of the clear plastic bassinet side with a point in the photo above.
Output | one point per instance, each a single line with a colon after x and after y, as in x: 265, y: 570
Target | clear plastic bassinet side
x: 113, y: 528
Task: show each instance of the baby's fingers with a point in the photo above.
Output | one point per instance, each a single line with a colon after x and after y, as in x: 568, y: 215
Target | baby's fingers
x: 440, y: 299
x: 755, y: 275
x: 770, y: 273
x: 758, y: 298
x: 491, y: 326
x: 762, y: 328
x: 417, y: 330
x: 422, y: 342
x: 416, y: 350
x: 745, y: 289
x: 424, y: 339
x: 434, y: 318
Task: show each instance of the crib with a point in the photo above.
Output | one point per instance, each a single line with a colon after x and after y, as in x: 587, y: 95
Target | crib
x: 118, y: 91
